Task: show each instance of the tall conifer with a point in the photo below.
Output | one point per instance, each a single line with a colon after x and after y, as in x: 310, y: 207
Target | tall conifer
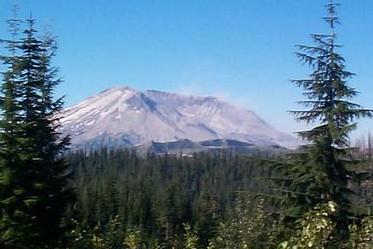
x: 34, y: 195
x: 320, y: 172
x: 10, y: 138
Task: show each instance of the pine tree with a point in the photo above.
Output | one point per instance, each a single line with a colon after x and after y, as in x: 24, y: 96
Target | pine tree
x: 10, y: 138
x: 33, y: 191
x: 321, y: 171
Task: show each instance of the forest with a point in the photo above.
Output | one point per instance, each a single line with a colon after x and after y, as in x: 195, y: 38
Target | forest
x: 163, y: 198
x: 52, y: 197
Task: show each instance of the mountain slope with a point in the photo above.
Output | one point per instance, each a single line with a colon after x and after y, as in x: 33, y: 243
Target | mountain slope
x: 124, y: 116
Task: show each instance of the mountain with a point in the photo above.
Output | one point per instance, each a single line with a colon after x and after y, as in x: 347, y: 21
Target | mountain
x: 122, y: 116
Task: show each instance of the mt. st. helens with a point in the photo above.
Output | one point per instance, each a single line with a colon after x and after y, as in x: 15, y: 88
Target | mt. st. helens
x: 123, y: 116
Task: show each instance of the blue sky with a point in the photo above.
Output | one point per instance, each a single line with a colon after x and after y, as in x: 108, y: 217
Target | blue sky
x: 240, y: 50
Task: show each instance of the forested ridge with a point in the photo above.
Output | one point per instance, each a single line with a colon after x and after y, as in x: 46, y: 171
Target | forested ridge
x: 159, y: 193
x: 159, y: 196
x: 317, y: 196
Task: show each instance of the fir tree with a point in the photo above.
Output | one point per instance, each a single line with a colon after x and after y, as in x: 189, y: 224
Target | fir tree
x: 33, y: 177
x: 320, y: 172
x: 10, y: 138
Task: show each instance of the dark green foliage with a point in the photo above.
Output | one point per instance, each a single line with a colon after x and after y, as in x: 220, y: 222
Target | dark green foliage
x: 364, y: 187
x: 32, y: 174
x: 321, y: 171
x: 157, y: 194
x: 121, y: 195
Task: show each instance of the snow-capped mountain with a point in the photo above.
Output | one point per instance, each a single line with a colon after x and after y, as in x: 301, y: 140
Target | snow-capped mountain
x: 124, y: 116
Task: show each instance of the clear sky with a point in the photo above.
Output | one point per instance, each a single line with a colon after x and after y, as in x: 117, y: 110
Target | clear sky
x: 240, y: 50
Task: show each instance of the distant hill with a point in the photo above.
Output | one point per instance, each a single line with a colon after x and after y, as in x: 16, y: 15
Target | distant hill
x: 122, y: 116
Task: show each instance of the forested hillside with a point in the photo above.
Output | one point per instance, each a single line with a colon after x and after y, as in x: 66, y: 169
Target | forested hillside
x: 158, y: 194
x: 159, y: 197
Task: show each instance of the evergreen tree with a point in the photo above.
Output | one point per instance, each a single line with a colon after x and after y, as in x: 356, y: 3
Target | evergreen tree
x: 321, y: 171
x: 10, y: 138
x: 34, y: 193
